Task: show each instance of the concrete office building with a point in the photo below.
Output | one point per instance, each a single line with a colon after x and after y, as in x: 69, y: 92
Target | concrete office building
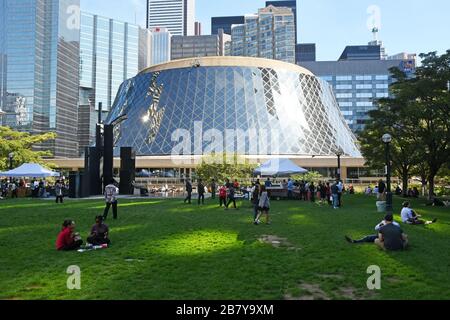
x: 178, y: 16
x: 199, y: 46
x: 39, y: 68
x: 359, y: 81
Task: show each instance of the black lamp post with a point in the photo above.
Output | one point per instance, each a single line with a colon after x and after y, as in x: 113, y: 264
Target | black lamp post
x: 11, y: 158
x: 339, y: 154
x: 387, y: 139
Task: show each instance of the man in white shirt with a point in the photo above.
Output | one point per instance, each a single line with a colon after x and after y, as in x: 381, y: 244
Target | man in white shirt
x: 111, y: 192
x: 410, y: 217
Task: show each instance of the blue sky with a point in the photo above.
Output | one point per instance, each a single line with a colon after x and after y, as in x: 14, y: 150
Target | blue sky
x: 406, y: 25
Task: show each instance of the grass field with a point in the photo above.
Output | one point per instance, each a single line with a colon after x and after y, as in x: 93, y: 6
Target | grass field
x: 163, y: 249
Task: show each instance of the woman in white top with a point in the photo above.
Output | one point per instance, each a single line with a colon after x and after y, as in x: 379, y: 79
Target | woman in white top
x: 264, y: 205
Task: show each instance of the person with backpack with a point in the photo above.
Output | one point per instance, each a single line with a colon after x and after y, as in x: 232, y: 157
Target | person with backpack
x: 111, y: 192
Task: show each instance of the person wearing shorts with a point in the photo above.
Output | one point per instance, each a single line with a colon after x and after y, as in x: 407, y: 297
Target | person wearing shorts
x: 264, y: 205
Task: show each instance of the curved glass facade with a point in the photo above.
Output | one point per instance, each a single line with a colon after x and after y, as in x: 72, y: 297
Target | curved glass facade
x: 248, y: 110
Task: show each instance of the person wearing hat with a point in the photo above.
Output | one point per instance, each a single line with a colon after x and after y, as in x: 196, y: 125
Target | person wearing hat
x: 391, y: 237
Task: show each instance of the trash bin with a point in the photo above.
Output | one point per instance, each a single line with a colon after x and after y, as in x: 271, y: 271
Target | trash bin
x: 381, y: 206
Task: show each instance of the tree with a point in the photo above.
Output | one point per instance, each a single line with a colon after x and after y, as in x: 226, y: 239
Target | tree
x: 404, y: 154
x: 21, y: 143
x: 222, y: 167
x: 418, y: 116
x: 311, y: 176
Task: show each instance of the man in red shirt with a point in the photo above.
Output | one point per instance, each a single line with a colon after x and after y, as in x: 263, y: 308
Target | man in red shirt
x: 68, y: 240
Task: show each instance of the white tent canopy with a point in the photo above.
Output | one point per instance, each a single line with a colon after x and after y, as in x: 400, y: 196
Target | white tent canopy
x: 32, y: 170
x: 279, y: 167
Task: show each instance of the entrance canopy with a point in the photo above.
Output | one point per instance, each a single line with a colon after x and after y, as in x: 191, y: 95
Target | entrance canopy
x: 31, y: 170
x: 279, y: 167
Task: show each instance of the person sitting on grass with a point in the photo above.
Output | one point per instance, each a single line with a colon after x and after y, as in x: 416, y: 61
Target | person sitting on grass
x: 371, y: 238
x: 263, y: 205
x: 68, y: 239
x: 391, y: 237
x: 99, y: 233
x: 409, y: 216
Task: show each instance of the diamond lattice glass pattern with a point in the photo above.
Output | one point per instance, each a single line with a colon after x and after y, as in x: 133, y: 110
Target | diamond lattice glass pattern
x: 301, y: 107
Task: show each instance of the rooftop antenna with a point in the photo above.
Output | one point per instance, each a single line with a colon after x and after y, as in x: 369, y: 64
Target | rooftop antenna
x: 375, y: 31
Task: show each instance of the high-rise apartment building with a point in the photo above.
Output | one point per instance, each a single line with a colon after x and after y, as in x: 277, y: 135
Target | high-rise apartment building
x: 292, y: 4
x: 268, y: 34
x: 178, y: 16
x: 39, y: 70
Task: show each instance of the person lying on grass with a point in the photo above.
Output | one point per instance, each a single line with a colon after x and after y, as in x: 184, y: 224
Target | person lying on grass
x: 99, y: 233
x: 391, y: 237
x: 409, y: 216
x: 68, y: 239
x: 373, y: 237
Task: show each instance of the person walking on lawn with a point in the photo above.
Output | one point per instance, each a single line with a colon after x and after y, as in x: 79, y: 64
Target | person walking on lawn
x: 231, y: 198
x: 201, y: 192
x: 111, y: 192
x: 263, y: 205
x: 189, y: 192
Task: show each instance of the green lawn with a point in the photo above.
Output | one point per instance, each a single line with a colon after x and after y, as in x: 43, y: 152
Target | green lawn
x: 163, y: 249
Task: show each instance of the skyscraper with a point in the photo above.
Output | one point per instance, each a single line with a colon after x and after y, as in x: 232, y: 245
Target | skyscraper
x: 109, y: 54
x: 159, y: 45
x: 39, y: 70
x: 292, y: 4
x: 268, y: 34
x: 178, y: 16
x: 225, y: 23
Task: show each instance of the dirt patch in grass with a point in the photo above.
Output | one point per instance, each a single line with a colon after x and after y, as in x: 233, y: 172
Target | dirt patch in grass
x: 331, y: 276
x: 309, y: 291
x: 278, y: 242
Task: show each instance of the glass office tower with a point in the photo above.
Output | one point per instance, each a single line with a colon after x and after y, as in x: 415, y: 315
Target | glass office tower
x: 109, y: 54
x: 39, y: 69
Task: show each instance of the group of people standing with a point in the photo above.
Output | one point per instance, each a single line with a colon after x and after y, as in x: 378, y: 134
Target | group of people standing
x: 10, y: 187
x: 227, y: 192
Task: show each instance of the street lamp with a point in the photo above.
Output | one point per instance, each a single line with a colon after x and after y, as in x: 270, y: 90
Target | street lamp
x: 11, y: 158
x: 387, y: 139
x: 339, y: 153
